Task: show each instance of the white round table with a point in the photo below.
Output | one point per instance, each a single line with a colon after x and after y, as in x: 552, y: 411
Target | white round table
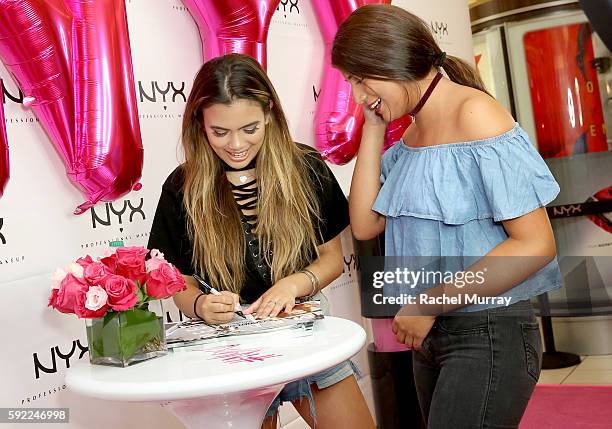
x: 225, y: 384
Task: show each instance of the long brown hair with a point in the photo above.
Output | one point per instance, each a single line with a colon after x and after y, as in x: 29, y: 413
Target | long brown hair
x: 286, y: 206
x: 387, y: 42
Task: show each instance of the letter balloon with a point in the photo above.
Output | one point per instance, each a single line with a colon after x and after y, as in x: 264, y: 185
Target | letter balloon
x: 233, y: 26
x: 72, y: 61
x: 338, y: 119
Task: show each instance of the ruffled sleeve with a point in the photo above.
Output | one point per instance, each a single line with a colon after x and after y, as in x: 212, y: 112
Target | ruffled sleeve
x: 502, y: 178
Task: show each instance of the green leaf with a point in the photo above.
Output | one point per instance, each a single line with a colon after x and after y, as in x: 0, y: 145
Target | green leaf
x: 122, y: 334
x: 141, y: 295
x: 137, y: 327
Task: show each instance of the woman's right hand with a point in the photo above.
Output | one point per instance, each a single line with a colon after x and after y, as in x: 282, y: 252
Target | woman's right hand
x: 371, y: 118
x: 216, y: 309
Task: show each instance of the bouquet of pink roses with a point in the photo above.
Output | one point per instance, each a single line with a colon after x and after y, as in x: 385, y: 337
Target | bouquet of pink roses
x: 121, y: 280
x: 119, y: 296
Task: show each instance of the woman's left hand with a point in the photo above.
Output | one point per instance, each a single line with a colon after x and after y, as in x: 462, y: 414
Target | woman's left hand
x: 412, y: 330
x: 279, y: 297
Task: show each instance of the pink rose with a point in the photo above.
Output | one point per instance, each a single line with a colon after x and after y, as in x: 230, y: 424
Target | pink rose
x: 131, y: 263
x: 75, y: 269
x: 53, y: 298
x: 157, y: 258
x: 121, y: 292
x: 64, y: 299
x: 91, y: 303
x: 109, y: 258
x: 165, y: 281
x: 57, y: 277
x: 96, y: 273
x: 83, y: 262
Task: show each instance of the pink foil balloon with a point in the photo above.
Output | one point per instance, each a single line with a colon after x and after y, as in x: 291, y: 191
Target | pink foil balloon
x: 338, y: 119
x: 37, y: 56
x: 395, y: 130
x: 72, y: 61
x: 233, y: 26
x: 4, y: 152
x: 107, y: 136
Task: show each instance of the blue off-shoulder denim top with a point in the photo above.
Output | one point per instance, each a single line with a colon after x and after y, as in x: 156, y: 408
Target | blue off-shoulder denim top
x: 450, y: 199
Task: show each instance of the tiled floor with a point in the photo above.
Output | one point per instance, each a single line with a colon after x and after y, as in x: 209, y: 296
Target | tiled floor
x: 592, y: 370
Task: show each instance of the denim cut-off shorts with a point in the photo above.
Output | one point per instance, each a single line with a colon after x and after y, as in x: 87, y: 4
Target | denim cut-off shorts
x: 300, y: 389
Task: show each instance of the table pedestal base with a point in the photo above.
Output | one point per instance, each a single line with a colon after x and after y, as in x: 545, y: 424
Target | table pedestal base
x: 241, y: 410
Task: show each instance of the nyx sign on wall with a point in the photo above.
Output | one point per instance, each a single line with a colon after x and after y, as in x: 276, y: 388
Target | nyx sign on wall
x: 15, y: 96
x: 439, y: 30
x: 8, y: 96
x: 2, y: 238
x: 288, y: 6
x: 116, y: 213
x: 350, y: 264
x: 44, y: 394
x: 4, y: 243
x: 163, y: 92
x: 289, y: 12
x: 315, y: 93
x: 55, y: 353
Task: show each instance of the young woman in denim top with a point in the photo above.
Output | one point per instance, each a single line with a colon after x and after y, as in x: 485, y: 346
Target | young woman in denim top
x: 465, y: 185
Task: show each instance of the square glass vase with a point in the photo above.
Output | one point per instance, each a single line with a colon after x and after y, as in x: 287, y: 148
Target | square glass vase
x: 123, y: 338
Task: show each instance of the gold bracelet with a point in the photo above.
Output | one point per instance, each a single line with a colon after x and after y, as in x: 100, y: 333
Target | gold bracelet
x: 314, y: 281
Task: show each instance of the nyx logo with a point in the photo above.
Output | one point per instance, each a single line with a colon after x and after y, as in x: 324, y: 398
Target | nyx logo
x: 2, y: 239
x: 7, y: 94
x: 55, y: 351
x: 315, y: 93
x: 288, y: 6
x: 112, y: 208
x: 567, y: 210
x: 439, y: 28
x: 350, y: 264
x: 155, y: 90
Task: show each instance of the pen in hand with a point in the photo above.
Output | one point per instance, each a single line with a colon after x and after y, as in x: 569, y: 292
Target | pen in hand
x: 208, y: 288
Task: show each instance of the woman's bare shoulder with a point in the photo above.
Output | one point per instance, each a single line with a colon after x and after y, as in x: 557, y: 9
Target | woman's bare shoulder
x: 480, y: 116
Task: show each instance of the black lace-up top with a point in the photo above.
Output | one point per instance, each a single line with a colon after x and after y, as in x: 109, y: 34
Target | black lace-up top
x: 246, y: 198
x: 169, y: 230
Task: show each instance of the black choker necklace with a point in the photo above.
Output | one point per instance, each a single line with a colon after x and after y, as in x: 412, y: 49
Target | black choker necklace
x: 425, y: 96
x: 249, y: 166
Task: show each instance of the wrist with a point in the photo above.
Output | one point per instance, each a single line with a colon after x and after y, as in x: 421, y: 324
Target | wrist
x: 373, y: 136
x: 291, y: 285
x: 378, y: 128
x: 196, y: 305
x: 297, y: 287
x: 314, y: 282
